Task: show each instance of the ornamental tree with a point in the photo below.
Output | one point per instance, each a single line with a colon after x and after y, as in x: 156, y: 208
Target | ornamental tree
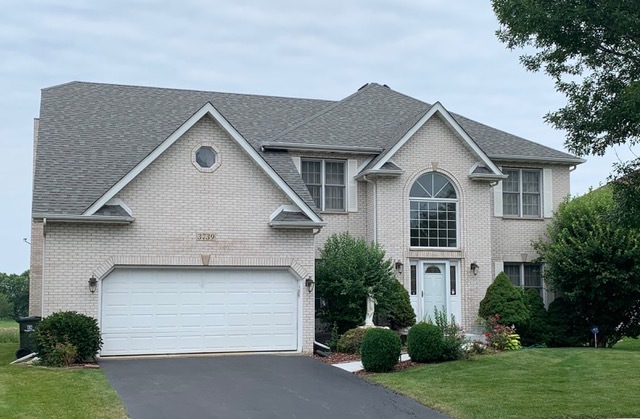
x: 504, y: 299
x: 591, y: 49
x: 348, y: 269
x: 594, y: 262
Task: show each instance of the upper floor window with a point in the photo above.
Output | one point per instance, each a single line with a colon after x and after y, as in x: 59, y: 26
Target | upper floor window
x: 433, y: 218
x: 521, y: 192
x: 525, y: 275
x: 326, y: 181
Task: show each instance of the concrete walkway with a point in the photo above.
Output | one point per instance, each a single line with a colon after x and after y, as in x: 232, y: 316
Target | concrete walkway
x: 356, y: 366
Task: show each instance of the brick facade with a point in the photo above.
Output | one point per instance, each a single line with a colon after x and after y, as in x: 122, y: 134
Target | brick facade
x: 172, y: 201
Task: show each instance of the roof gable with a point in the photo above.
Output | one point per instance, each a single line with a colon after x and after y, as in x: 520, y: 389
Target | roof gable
x: 207, y: 109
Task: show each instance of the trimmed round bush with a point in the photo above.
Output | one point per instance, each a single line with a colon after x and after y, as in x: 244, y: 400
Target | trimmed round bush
x: 380, y: 350
x: 60, y: 334
x: 425, y: 343
x: 350, y: 341
x: 503, y: 298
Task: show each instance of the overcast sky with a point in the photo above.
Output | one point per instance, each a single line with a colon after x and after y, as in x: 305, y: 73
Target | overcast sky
x: 434, y: 50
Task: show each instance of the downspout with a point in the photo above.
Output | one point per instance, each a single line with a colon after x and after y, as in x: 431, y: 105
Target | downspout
x: 375, y: 208
x: 44, y: 248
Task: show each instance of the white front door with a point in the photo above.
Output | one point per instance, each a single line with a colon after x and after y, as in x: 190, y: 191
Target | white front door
x: 440, y: 289
x: 434, y: 286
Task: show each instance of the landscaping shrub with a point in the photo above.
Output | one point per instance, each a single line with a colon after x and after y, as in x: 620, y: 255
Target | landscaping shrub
x: 566, y: 328
x: 62, y: 355
x: 396, y: 307
x: 380, y: 350
x: 503, y: 298
x: 6, y: 308
x: 501, y: 337
x: 453, y: 340
x: 534, y: 331
x: 351, y: 340
x: 348, y: 270
x: 425, y: 343
x: 57, y: 335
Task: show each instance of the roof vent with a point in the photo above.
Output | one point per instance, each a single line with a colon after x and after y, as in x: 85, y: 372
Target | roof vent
x: 363, y: 86
x: 386, y: 86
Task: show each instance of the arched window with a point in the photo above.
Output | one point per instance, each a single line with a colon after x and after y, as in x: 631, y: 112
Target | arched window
x: 433, y: 204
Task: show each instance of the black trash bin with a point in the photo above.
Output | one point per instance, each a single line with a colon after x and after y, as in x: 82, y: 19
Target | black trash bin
x: 27, y: 327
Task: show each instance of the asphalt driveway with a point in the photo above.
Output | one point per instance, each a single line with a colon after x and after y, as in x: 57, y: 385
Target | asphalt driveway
x: 251, y: 386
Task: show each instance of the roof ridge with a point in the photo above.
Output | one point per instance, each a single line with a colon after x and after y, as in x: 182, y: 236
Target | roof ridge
x: 175, y: 89
x: 322, y: 112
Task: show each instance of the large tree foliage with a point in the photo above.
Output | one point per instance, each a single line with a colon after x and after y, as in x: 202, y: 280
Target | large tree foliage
x: 348, y: 270
x: 16, y: 288
x: 595, y: 263
x: 591, y: 49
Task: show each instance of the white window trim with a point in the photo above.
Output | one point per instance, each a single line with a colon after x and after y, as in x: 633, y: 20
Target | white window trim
x: 323, y: 182
x: 456, y: 201
x: 541, y: 194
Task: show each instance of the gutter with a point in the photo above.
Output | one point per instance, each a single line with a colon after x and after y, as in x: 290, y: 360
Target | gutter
x: 321, y: 147
x: 95, y: 219
x: 296, y: 224
x: 381, y: 172
x: 568, y: 160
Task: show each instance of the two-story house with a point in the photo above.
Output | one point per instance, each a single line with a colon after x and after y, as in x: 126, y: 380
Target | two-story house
x: 190, y: 221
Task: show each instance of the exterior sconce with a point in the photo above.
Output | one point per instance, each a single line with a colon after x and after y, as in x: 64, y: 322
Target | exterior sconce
x: 93, y: 284
x: 399, y: 267
x: 475, y: 268
x: 309, y: 283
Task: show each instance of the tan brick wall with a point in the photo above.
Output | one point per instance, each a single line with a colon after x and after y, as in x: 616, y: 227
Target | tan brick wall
x: 436, y: 142
x: 35, y: 273
x: 172, y: 201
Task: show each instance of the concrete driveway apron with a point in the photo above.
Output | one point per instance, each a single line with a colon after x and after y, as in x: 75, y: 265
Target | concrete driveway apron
x: 251, y: 386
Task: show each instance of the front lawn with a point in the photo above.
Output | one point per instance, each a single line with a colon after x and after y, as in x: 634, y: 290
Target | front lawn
x: 564, y: 382
x: 36, y: 392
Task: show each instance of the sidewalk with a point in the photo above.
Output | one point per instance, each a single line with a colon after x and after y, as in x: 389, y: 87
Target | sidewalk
x: 356, y: 366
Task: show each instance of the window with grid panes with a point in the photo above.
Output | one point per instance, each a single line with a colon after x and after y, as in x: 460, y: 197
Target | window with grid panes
x: 326, y: 182
x: 522, y: 192
x: 525, y: 275
x: 433, y: 206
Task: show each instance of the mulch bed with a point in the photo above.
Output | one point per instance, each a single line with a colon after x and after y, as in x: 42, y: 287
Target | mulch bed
x: 338, y: 358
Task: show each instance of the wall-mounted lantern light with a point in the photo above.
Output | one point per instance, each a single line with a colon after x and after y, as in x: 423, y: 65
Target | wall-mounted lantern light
x: 309, y: 283
x: 93, y: 284
x: 399, y: 267
x: 475, y: 268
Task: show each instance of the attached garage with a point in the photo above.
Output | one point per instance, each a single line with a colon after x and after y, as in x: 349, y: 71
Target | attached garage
x: 170, y: 311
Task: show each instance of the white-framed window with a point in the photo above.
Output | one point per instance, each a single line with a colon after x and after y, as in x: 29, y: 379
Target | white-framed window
x: 433, y: 212
x: 525, y: 275
x: 326, y: 182
x: 522, y: 193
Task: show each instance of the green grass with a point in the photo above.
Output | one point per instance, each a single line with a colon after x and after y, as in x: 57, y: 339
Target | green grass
x: 8, y: 331
x: 563, y: 382
x: 35, y: 392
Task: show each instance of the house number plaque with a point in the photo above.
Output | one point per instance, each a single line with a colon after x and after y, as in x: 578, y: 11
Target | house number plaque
x: 205, y: 236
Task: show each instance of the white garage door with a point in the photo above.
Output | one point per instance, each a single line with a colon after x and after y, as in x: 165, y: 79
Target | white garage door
x: 164, y: 311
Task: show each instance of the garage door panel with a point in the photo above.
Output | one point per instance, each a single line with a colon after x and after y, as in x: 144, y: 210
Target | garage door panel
x: 154, y: 311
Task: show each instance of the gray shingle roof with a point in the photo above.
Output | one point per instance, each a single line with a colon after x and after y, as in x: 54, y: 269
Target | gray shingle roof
x: 91, y: 135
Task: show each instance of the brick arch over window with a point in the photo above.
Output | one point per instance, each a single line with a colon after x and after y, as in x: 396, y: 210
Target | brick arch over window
x: 433, y: 212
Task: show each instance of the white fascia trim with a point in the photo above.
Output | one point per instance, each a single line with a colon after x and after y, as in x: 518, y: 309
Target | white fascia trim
x: 281, y: 208
x: 95, y: 219
x: 322, y: 147
x: 119, y: 202
x: 207, y: 109
x: 438, y: 108
x: 567, y: 160
x: 296, y: 224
